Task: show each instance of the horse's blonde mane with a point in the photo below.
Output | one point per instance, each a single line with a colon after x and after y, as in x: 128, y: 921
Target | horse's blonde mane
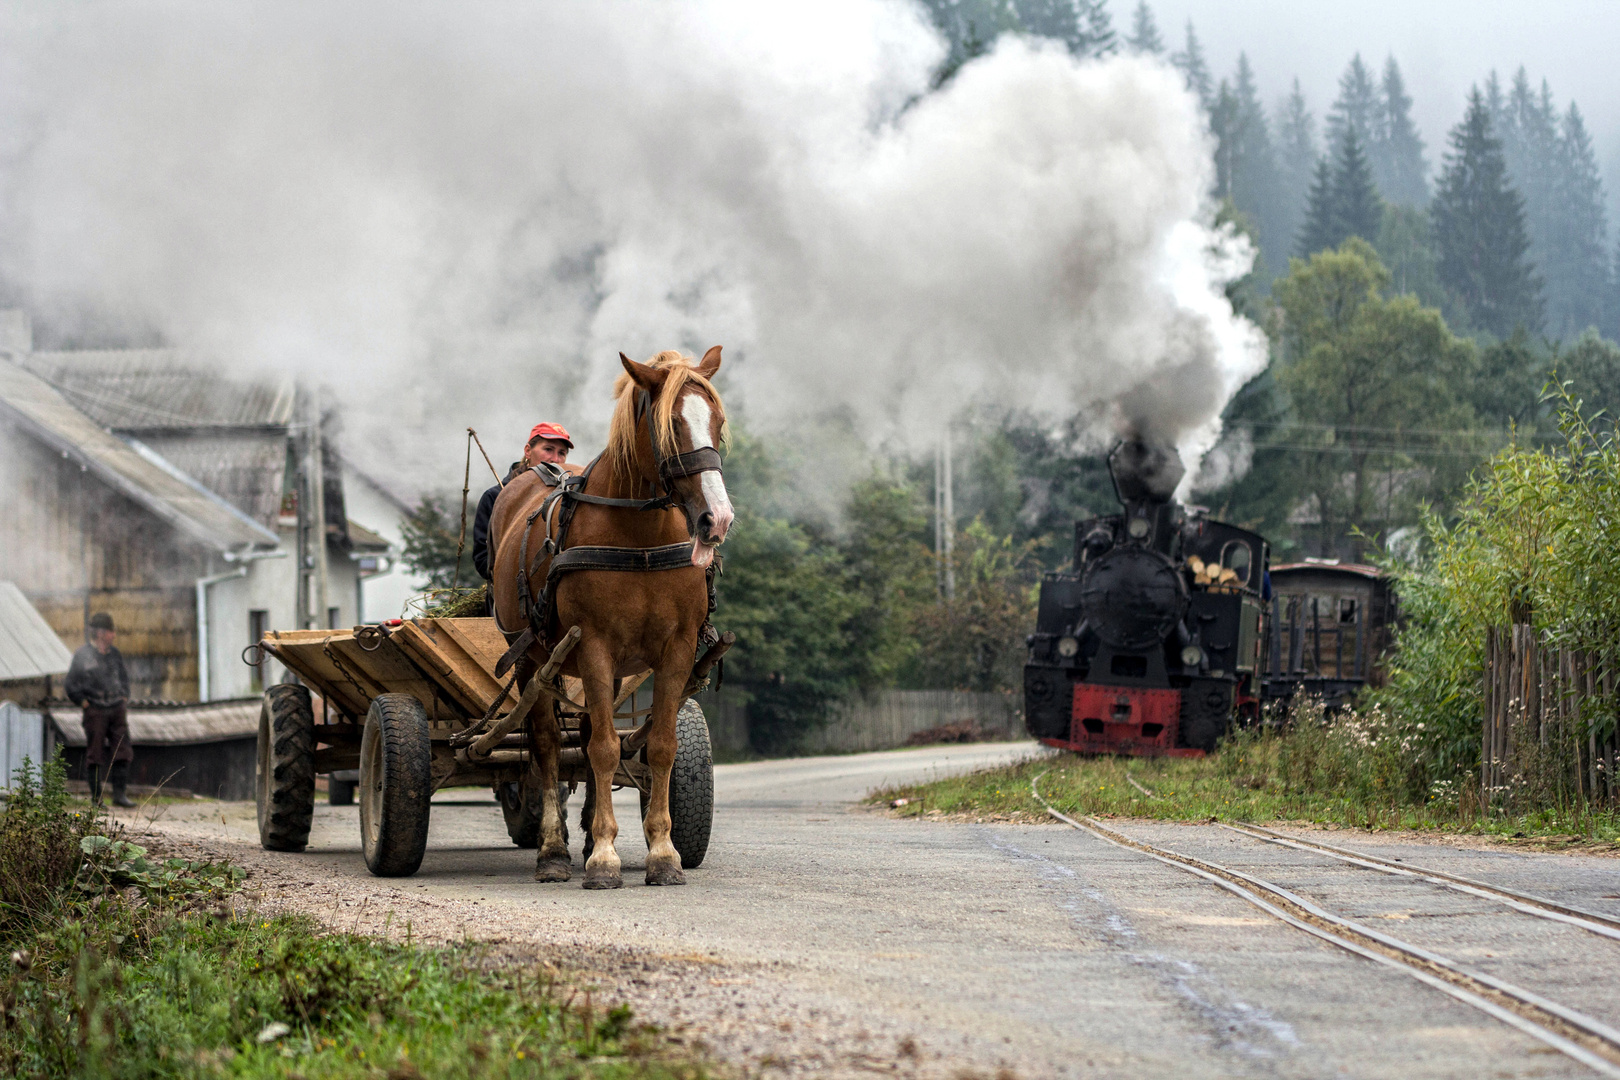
x: 621, y: 441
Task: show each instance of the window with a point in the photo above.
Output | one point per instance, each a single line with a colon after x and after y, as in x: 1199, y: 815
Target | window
x: 258, y: 626
x: 1347, y: 609
x: 334, y: 617
x: 1236, y: 558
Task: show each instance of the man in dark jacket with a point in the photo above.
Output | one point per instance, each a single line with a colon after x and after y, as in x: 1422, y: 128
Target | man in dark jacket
x: 98, y: 682
x: 547, y: 443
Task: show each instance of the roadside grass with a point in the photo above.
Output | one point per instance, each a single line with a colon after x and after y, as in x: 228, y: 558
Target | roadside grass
x: 123, y: 965
x: 1307, y: 774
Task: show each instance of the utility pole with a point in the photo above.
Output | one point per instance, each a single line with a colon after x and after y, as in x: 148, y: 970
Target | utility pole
x: 944, y: 519
x: 312, y: 515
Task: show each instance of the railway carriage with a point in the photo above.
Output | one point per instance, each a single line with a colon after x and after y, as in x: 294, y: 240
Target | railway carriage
x: 1330, y: 623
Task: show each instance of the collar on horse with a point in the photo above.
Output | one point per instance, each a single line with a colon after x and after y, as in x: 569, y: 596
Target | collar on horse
x: 560, y: 505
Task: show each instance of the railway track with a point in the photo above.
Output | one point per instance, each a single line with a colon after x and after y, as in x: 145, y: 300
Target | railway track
x: 1572, y: 1033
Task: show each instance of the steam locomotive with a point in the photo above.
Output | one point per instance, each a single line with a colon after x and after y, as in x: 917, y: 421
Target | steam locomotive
x: 1154, y: 640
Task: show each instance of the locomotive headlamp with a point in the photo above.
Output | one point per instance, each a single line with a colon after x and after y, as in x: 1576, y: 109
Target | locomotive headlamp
x: 1138, y: 528
x: 1192, y: 656
x: 1067, y: 647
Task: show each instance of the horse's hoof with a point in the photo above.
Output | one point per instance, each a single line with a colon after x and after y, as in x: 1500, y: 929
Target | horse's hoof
x: 552, y: 870
x: 603, y: 881
x: 666, y: 875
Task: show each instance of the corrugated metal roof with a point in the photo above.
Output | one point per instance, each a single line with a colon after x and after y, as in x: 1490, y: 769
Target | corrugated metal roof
x: 130, y: 467
x: 29, y: 648
x: 245, y: 468
x: 176, y: 725
x: 150, y: 389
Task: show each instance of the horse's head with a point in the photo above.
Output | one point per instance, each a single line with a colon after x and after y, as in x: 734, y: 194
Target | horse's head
x: 683, y: 423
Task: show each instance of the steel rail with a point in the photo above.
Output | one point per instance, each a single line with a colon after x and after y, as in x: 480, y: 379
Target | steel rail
x: 1574, y: 1034
x: 1603, y: 925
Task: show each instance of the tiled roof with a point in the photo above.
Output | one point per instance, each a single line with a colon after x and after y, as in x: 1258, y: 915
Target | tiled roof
x: 162, y: 389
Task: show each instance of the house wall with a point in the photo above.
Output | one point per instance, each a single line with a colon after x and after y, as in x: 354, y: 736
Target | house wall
x: 383, y: 595
x: 74, y: 547
x: 270, y: 585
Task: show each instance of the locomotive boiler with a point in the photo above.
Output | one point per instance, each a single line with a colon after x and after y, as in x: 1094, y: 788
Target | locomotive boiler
x: 1152, y: 641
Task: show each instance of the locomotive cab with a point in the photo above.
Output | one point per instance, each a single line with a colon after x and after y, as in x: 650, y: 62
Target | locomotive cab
x: 1151, y: 641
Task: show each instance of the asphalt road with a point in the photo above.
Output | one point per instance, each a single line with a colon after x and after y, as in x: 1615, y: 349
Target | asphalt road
x: 826, y: 938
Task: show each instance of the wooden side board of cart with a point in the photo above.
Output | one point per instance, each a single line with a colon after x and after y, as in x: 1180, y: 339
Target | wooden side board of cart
x: 394, y: 697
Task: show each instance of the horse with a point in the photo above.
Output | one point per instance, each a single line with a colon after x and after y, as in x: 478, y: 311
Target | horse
x: 667, y: 427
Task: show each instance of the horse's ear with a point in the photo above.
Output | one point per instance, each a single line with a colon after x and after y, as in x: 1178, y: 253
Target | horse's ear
x: 710, y: 363
x: 647, y: 377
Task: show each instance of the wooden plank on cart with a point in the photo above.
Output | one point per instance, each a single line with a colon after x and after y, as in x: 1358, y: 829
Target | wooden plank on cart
x: 454, y: 659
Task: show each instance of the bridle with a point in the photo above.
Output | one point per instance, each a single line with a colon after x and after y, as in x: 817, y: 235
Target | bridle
x: 558, y: 511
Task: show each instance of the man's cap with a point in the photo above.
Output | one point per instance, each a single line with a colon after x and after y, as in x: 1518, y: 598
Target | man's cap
x: 548, y: 430
x: 101, y: 621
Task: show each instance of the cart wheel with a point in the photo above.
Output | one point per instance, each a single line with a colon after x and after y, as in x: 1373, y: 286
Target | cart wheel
x: 284, y: 784
x: 396, y: 785
x: 522, y: 816
x: 340, y: 792
x: 691, y: 786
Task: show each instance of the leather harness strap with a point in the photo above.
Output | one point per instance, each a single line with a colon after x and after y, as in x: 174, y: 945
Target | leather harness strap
x: 558, y: 510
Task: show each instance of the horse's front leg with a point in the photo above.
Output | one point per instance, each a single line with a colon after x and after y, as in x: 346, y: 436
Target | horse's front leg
x: 552, y: 863
x: 596, y: 672
x: 663, y: 861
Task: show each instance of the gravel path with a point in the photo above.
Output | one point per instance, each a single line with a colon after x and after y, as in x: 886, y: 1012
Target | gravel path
x: 823, y: 938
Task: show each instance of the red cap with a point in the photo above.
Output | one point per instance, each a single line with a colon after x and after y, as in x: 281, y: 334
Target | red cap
x: 550, y: 431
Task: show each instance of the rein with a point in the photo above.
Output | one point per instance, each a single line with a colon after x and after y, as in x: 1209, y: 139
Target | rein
x: 558, y: 510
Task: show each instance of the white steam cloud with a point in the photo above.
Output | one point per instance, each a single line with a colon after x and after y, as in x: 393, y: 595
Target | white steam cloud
x: 456, y: 215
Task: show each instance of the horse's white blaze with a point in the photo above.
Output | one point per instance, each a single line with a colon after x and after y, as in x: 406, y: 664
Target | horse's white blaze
x: 699, y: 419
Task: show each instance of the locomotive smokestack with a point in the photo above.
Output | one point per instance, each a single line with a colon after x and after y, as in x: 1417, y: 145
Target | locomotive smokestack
x: 1145, y: 471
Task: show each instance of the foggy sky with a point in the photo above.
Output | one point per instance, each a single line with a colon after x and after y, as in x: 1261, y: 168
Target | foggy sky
x: 460, y: 218
x: 1442, y: 46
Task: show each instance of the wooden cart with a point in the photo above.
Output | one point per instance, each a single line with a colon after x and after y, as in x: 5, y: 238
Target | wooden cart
x: 397, y: 701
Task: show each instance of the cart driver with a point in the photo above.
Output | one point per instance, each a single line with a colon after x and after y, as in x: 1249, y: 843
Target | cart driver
x: 548, y: 442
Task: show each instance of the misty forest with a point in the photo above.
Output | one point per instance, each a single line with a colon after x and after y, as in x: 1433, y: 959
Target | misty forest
x: 1420, y: 303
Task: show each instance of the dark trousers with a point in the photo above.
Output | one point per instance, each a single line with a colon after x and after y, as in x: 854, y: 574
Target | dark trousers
x: 106, y: 733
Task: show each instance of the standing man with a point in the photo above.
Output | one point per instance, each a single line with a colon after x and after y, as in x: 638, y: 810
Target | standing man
x: 98, y: 682
x: 548, y: 442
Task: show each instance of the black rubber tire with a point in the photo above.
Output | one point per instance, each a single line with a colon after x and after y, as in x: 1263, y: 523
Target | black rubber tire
x: 340, y: 792
x: 522, y: 816
x: 396, y: 785
x: 284, y: 781
x: 691, y: 786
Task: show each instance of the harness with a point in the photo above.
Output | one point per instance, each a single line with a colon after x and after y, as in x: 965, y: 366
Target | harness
x: 558, y: 511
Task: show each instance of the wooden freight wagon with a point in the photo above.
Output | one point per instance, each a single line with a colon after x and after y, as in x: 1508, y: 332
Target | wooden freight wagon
x: 1331, y: 623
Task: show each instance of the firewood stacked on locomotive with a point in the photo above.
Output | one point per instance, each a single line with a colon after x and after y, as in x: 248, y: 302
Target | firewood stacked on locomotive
x: 1153, y: 641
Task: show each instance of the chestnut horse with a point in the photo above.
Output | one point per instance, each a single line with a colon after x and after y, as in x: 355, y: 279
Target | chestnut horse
x: 668, y: 423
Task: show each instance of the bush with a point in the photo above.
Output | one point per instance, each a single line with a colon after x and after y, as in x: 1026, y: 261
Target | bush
x: 1534, y: 542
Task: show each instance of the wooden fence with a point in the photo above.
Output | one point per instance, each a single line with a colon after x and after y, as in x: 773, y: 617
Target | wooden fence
x: 1548, y: 730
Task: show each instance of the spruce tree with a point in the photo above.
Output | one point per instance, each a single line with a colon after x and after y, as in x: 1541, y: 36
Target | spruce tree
x: 1144, y: 37
x: 1397, y: 153
x: 1479, y: 229
x: 1319, y: 232
x: 1296, y: 160
x: 1357, y: 208
x: 1357, y: 107
x: 1190, y: 62
x: 1255, y: 183
x: 1575, y: 251
x: 1084, y: 26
